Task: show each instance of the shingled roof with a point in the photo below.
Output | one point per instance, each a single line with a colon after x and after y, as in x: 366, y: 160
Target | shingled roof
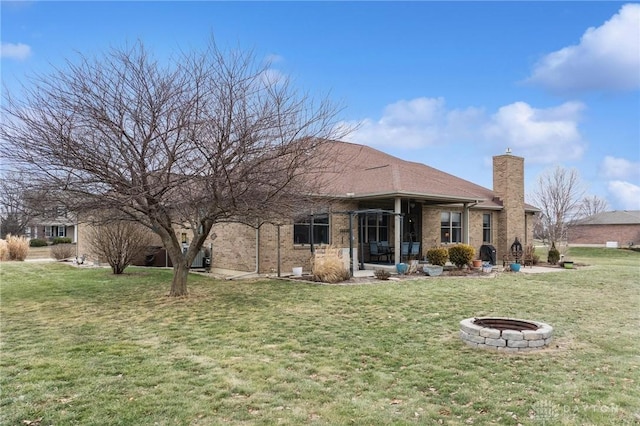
x: 616, y: 217
x: 366, y: 172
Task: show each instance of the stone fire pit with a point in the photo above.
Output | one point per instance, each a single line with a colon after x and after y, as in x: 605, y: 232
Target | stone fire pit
x: 505, y: 334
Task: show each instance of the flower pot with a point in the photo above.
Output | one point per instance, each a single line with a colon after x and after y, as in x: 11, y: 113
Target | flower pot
x: 477, y: 263
x: 297, y: 271
x: 515, y: 267
x: 432, y: 270
x: 487, y: 269
x: 402, y: 268
x: 568, y: 265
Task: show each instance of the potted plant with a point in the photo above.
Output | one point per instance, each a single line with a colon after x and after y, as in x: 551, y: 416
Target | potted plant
x: 402, y: 268
x: 437, y: 258
x: 381, y: 274
x: 461, y: 254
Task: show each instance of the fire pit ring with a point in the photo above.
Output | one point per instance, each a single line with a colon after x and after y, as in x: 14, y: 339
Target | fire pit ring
x: 505, y: 334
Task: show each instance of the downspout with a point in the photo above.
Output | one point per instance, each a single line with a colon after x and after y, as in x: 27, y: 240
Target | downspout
x: 278, y: 235
x: 397, y: 240
x: 75, y: 238
x: 313, y: 250
x: 361, y: 239
x: 254, y: 272
x: 465, y: 223
x: 351, y: 259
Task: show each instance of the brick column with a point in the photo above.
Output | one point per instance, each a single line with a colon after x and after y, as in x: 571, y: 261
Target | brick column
x: 508, y: 185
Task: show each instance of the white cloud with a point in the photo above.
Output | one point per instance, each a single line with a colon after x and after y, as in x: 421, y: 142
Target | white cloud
x: 607, y: 58
x: 541, y: 135
x: 620, y: 171
x: 17, y: 51
x: 415, y: 123
x: 272, y: 77
x: 627, y: 194
x: 619, y: 168
x: 273, y: 58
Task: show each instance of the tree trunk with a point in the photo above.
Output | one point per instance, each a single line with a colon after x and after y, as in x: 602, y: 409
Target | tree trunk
x: 179, y: 283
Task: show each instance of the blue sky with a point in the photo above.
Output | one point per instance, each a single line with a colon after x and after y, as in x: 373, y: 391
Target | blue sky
x: 449, y: 84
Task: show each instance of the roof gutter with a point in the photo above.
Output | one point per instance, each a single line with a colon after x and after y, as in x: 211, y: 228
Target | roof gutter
x: 417, y: 195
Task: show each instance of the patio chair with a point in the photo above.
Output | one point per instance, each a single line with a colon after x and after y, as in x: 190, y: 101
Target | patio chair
x: 374, y: 251
x: 405, y: 250
x: 385, y: 249
x: 410, y: 250
x: 415, y: 250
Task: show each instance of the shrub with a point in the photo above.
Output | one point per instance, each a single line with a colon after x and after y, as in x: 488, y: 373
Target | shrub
x: 38, y: 242
x: 4, y: 250
x: 554, y: 255
x: 61, y: 240
x: 328, y: 267
x: 18, y: 247
x: 461, y: 254
x: 437, y: 256
x: 63, y: 251
x: 118, y: 243
x: 382, y: 274
x: 530, y: 254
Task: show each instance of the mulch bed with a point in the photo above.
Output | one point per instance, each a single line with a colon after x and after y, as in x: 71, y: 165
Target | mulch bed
x: 396, y: 278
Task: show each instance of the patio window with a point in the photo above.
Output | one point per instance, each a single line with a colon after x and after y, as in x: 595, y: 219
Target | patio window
x: 486, y: 227
x: 376, y: 228
x: 302, y: 230
x: 451, y: 227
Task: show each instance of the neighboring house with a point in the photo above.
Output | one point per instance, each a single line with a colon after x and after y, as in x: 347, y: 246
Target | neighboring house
x: 416, y: 203
x: 51, y: 223
x: 615, y: 228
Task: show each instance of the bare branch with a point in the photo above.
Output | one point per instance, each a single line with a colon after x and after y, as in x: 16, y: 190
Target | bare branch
x: 208, y: 137
x: 558, y: 196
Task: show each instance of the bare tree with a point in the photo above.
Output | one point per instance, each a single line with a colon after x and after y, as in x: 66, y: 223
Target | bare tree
x: 17, y: 205
x: 212, y: 136
x: 119, y: 242
x: 558, y: 196
x: 591, y: 205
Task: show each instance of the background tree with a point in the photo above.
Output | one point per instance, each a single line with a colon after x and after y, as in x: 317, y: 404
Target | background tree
x: 118, y: 242
x: 209, y: 136
x: 17, y: 206
x: 558, y: 194
x: 591, y: 205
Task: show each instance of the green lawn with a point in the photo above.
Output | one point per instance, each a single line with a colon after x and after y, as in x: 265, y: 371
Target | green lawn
x: 81, y: 346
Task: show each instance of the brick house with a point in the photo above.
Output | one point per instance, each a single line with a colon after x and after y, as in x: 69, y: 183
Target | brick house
x: 399, y: 201
x: 617, y: 228
x: 53, y: 222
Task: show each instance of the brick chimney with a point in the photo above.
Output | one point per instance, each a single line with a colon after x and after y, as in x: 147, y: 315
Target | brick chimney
x: 508, y: 185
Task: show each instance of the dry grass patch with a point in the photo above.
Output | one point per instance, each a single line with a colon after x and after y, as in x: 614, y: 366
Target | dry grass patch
x: 15, y: 248
x: 4, y: 250
x: 328, y: 266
